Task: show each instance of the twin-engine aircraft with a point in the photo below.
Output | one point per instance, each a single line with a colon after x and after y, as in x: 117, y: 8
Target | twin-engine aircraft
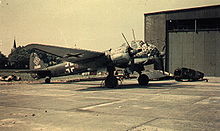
x: 132, y: 57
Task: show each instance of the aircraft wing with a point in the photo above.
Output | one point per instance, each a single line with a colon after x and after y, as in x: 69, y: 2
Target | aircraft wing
x: 71, y: 54
x: 24, y: 71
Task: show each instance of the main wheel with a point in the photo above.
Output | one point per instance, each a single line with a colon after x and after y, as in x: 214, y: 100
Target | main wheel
x: 111, y: 82
x: 143, y: 80
x: 47, y: 80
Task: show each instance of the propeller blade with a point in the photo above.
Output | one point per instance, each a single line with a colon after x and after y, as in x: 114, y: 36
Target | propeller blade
x: 133, y: 34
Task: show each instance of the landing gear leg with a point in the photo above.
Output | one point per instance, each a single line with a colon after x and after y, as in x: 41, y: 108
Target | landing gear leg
x: 47, y: 80
x: 111, y: 81
x: 143, y: 79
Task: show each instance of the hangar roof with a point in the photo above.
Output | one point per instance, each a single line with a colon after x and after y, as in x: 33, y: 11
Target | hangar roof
x: 183, y: 9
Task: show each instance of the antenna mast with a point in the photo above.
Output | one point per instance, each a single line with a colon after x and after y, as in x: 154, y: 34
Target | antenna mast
x: 133, y: 34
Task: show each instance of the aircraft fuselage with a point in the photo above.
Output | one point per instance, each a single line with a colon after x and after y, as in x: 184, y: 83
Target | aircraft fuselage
x: 62, y: 69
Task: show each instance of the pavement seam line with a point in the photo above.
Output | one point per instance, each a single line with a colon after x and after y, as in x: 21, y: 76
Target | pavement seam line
x: 103, y: 104
x: 142, y: 124
x: 201, y: 99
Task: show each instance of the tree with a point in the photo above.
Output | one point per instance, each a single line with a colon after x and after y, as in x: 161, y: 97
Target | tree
x: 19, y: 58
x: 3, y: 61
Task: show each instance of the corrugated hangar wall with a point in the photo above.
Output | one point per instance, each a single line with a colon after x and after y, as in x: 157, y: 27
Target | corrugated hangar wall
x: 192, y: 38
x: 200, y: 51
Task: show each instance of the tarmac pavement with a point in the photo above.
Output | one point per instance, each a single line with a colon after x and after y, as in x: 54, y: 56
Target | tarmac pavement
x: 162, y: 106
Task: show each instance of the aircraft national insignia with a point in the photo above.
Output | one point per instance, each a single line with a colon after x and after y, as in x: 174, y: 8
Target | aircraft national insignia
x: 70, y: 67
x: 36, y: 60
x: 37, y: 63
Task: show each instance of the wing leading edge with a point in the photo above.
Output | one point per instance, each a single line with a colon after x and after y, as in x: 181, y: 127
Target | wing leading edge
x: 79, y: 56
x: 25, y: 71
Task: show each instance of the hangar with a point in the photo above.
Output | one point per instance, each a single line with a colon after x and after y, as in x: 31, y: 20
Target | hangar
x: 191, y: 36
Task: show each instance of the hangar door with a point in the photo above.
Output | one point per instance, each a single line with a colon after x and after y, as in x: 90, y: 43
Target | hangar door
x: 199, y: 50
x: 194, y: 43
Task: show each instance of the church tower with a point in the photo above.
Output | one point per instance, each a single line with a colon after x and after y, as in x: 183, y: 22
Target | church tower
x: 14, y: 46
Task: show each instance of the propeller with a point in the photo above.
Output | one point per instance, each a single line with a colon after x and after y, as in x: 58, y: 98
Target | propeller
x: 159, y: 61
x: 125, y: 40
x: 133, y: 34
x: 131, y: 51
x: 129, y: 47
x: 163, y: 52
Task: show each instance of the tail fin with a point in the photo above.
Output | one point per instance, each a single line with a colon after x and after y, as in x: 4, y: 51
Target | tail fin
x: 36, y: 62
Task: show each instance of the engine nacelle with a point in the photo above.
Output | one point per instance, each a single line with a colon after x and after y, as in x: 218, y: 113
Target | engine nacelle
x: 120, y: 56
x: 120, y: 59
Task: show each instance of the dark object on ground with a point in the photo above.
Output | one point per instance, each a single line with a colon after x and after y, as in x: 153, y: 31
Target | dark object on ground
x: 10, y: 78
x: 182, y: 74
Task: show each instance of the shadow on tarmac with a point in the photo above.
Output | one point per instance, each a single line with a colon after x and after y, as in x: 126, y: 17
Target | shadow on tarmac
x: 161, y: 86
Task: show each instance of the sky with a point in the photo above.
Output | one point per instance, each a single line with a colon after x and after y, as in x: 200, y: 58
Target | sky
x: 88, y: 24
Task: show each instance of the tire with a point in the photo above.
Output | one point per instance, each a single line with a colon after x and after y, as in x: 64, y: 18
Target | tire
x: 47, y: 80
x: 143, y: 80
x: 111, y: 82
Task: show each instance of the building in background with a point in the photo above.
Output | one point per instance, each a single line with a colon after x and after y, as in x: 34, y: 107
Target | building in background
x: 191, y: 36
